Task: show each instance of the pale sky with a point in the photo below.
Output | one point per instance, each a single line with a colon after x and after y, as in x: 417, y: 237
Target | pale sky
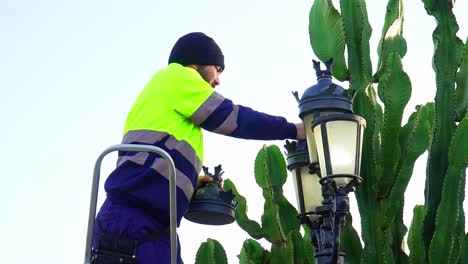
x: 70, y: 70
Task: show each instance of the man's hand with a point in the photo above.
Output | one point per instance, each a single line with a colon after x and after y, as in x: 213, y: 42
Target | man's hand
x: 300, y: 131
x: 204, y: 179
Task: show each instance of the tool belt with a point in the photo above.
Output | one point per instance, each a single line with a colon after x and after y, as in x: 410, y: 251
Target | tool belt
x: 119, y: 250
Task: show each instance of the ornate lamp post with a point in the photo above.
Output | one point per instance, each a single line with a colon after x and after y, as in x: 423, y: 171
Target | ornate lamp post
x: 334, y: 143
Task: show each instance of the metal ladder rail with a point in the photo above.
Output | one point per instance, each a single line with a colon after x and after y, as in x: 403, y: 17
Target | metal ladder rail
x: 95, y: 189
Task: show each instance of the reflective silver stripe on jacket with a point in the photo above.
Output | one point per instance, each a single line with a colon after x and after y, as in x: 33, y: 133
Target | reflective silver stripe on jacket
x: 230, y: 124
x: 139, y: 158
x: 162, y: 167
x: 182, y: 181
x: 186, y: 150
x: 207, y: 108
x: 143, y: 136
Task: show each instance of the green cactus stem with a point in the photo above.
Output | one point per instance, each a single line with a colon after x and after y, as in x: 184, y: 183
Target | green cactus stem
x: 462, y: 86
x: 211, y: 252
x: 327, y: 36
x: 253, y: 253
x: 357, y: 34
x: 447, y: 58
x: 279, y: 225
x: 415, y: 238
x: 447, y: 239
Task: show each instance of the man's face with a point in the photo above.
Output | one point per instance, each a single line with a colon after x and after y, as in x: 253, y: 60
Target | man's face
x: 210, y: 73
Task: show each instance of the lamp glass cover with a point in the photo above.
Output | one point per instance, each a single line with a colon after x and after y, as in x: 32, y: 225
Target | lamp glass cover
x: 311, y: 145
x: 311, y: 190
x: 341, y: 136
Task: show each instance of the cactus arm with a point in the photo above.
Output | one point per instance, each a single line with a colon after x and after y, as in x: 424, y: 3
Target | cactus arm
x: 270, y: 167
x: 279, y: 216
x: 378, y: 124
x: 357, y: 35
x: 270, y: 174
x: 296, y: 247
x: 365, y: 193
x: 450, y: 208
x: 415, y: 138
x: 464, y: 256
x: 462, y: 86
x: 327, y: 36
x: 415, y: 237
x: 447, y: 57
x: 392, y: 34
x: 251, y: 227
x: 350, y: 243
x: 398, y: 231
x: 309, y: 248
x: 456, y: 253
x: 396, y: 91
x: 211, y: 252
x: 366, y: 197
x: 253, y: 253
x: 270, y: 224
x: 279, y: 255
x: 387, y: 255
x: 287, y: 213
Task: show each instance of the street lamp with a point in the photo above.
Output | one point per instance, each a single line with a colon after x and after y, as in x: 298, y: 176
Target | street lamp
x: 334, y: 144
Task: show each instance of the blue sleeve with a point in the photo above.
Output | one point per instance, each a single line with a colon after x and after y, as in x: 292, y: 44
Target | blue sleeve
x: 243, y: 122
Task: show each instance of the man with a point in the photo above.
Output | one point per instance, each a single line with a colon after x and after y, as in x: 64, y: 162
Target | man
x: 170, y: 113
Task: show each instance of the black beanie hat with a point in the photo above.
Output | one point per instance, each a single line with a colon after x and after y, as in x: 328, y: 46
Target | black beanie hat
x: 196, y: 48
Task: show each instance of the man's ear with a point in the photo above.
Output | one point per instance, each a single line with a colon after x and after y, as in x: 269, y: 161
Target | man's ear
x: 193, y: 66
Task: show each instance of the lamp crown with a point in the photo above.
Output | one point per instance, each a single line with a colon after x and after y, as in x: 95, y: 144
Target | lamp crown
x: 327, y: 73
x: 296, y: 153
x: 211, y: 205
x: 217, y: 173
x: 295, y: 146
x: 325, y: 94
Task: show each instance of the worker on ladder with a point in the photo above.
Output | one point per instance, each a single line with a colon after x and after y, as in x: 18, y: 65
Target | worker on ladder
x: 170, y: 113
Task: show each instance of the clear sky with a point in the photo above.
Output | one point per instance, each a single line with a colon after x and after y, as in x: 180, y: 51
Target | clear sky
x: 70, y: 70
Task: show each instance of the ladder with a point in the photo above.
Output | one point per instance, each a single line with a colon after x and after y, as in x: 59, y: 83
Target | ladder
x: 95, y: 189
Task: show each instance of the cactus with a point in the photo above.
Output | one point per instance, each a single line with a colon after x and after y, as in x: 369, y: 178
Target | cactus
x: 211, y: 252
x: 390, y: 149
x: 387, y: 159
x: 445, y: 185
x: 415, y: 240
x: 462, y: 86
x: 279, y: 224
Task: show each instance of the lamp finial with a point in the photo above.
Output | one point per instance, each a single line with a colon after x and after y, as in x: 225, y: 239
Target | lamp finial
x: 325, y: 73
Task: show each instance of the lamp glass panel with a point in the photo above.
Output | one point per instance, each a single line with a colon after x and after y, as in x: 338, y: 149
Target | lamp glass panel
x: 311, y: 190
x: 321, y: 157
x: 310, y: 137
x: 361, y: 136
x: 296, y: 188
x: 342, y: 140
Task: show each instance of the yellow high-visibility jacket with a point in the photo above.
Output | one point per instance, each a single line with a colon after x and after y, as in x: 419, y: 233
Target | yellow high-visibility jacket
x: 170, y: 113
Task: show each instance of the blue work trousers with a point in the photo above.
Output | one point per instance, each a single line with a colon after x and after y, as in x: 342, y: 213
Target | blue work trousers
x: 131, y: 223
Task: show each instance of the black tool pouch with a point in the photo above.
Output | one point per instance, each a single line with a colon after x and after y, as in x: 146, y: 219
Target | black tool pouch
x: 115, y: 251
